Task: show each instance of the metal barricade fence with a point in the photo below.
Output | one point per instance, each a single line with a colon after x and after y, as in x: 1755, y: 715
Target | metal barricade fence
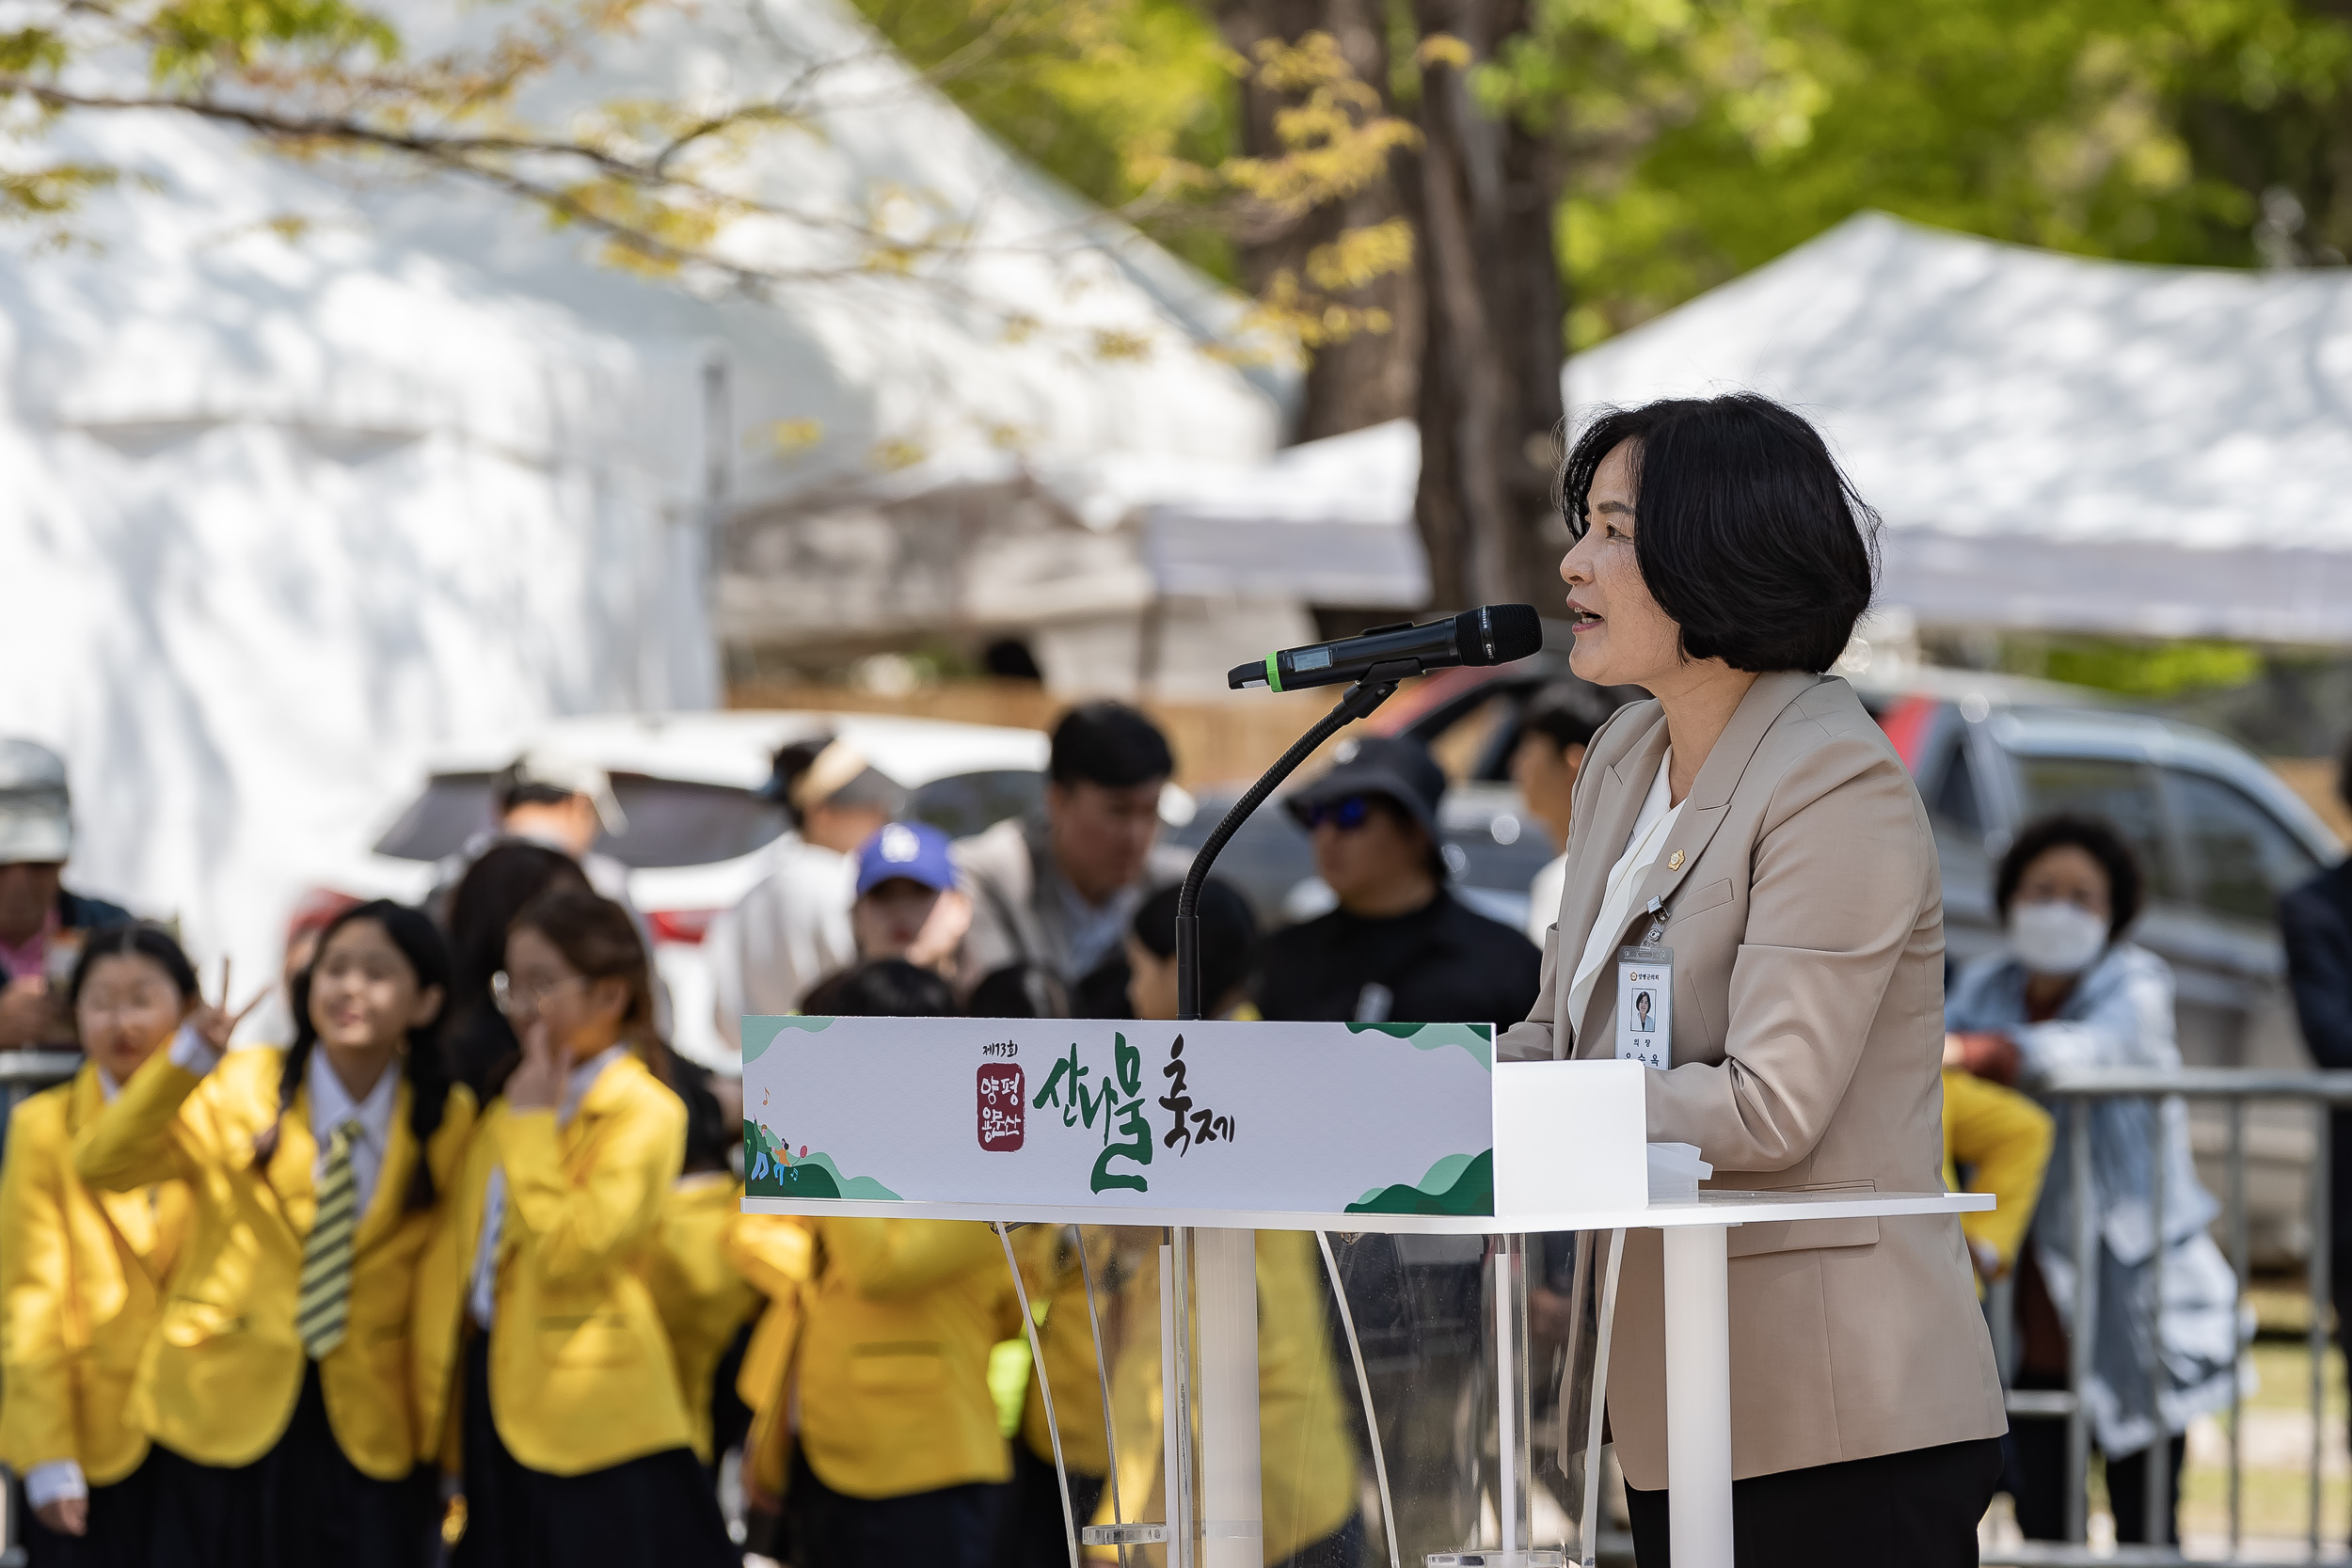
x: 24, y: 1073
x: 2072, y: 1093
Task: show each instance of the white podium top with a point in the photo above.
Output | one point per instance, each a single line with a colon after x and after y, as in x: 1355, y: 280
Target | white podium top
x: 1712, y: 1207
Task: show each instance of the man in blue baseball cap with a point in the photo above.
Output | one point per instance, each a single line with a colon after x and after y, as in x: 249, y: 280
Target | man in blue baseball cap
x: 908, y: 904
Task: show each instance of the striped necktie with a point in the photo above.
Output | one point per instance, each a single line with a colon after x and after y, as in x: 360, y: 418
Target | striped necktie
x: 324, y: 1302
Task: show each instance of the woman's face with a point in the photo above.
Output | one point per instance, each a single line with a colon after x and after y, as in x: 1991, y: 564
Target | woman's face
x: 364, y: 996
x: 1622, y: 637
x: 582, y: 1016
x: 128, y: 1007
x: 2066, y: 873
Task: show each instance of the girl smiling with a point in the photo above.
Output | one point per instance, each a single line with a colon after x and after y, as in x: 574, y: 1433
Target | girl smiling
x: 277, y: 1387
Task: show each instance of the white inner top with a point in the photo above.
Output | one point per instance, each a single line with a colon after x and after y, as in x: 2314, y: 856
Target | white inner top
x: 1642, y: 848
x: 331, y: 1105
x: 482, y: 1292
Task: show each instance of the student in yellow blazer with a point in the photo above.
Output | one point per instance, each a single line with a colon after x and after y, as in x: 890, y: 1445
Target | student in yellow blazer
x: 577, y: 1439
x: 901, y: 1460
x: 80, y: 1271
x: 777, y: 1254
x: 1057, y: 1281
x: 277, y: 1385
x: 1306, y: 1421
x: 704, y: 1302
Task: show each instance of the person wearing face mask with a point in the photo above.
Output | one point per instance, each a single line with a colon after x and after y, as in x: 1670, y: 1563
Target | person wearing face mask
x: 2070, y: 991
x: 1754, y: 820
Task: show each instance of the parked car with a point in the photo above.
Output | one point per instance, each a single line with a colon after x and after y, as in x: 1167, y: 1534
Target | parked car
x: 696, y: 829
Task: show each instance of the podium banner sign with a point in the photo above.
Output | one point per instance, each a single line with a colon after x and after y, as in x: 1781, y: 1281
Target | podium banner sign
x: 1060, y: 1113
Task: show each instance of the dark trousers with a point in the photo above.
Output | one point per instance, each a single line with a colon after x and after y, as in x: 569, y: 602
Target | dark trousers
x: 1918, y: 1507
x: 122, y: 1525
x: 657, y: 1510
x: 2035, y: 1477
x: 952, y: 1527
x: 299, y: 1504
x: 1034, y: 1536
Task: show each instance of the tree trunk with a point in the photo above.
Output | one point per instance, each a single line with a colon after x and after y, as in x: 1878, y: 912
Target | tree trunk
x: 1370, y: 376
x: 1489, y: 403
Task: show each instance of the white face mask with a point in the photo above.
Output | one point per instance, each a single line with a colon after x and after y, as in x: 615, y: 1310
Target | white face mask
x: 2056, y: 938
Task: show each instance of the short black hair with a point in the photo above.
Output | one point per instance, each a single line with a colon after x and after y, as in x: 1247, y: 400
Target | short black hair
x: 2094, y: 837
x: 886, y: 987
x: 709, y: 1138
x: 1019, y: 990
x: 1109, y: 744
x: 1229, y: 936
x: 1569, y: 712
x: 1749, y: 534
x: 792, y: 759
x: 134, y: 938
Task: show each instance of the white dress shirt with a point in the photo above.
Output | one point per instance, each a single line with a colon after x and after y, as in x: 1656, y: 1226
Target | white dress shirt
x: 331, y: 1105
x: 482, y: 1294
x: 1642, y: 846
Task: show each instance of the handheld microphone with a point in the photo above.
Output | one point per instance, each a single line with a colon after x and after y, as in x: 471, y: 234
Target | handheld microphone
x: 1491, y: 634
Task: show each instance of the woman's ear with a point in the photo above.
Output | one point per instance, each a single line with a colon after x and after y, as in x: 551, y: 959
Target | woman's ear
x: 608, y: 999
x: 428, y: 1007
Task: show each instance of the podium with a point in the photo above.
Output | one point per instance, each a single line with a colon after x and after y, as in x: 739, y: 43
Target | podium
x: 1209, y: 1131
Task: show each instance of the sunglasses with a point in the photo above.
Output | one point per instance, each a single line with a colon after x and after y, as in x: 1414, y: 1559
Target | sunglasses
x: 1346, y: 815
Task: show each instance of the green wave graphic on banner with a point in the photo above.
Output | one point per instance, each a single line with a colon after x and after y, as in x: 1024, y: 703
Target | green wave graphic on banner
x: 1476, y: 1038
x: 772, y: 1170
x: 761, y: 1032
x: 1457, y: 1184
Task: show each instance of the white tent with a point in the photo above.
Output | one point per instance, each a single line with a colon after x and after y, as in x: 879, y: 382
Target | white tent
x: 2054, y: 442
x: 316, y: 471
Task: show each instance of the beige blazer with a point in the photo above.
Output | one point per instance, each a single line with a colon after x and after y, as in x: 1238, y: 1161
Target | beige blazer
x: 1806, y: 921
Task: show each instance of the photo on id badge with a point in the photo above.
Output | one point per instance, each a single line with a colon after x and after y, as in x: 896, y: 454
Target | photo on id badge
x: 1646, y: 1005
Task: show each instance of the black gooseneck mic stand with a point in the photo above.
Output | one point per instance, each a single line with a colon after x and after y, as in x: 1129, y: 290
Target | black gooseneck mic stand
x: 1377, y: 686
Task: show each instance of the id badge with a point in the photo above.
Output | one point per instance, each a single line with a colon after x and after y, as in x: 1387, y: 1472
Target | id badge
x: 1645, y: 1004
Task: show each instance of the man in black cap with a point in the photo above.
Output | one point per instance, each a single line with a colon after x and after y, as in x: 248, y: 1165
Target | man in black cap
x: 1399, y: 947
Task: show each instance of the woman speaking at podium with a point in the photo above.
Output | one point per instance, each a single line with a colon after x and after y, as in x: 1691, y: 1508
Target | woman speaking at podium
x: 1754, y: 823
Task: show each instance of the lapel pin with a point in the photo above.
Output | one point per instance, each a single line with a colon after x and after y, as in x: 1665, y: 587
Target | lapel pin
x: 1673, y: 861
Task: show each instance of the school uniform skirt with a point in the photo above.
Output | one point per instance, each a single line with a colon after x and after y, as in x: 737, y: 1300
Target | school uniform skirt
x: 299, y: 1505
x: 121, y: 1524
x: 658, y: 1511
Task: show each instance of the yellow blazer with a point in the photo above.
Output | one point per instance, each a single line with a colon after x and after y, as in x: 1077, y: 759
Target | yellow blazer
x: 776, y: 1253
x: 894, y: 1357
x: 80, y: 1290
x: 700, y: 1297
x: 1056, y: 1282
x: 582, y: 1374
x: 1305, y: 1424
x: 219, y: 1380
x: 2004, y: 1139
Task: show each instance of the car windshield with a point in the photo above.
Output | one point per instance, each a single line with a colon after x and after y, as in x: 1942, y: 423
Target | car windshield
x: 674, y: 822
x: 671, y: 821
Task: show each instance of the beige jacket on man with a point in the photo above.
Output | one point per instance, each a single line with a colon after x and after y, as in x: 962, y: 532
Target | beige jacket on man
x: 1806, y: 921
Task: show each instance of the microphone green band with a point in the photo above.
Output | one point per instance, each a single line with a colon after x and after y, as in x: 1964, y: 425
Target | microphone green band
x: 1273, y: 673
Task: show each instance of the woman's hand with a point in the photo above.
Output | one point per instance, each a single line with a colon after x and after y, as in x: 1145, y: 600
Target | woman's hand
x: 943, y: 932
x: 66, y: 1516
x: 538, y: 1084
x: 1984, y: 1054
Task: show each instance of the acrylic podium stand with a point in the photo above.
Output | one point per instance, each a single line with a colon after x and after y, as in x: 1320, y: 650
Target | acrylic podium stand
x: 1171, y: 1143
